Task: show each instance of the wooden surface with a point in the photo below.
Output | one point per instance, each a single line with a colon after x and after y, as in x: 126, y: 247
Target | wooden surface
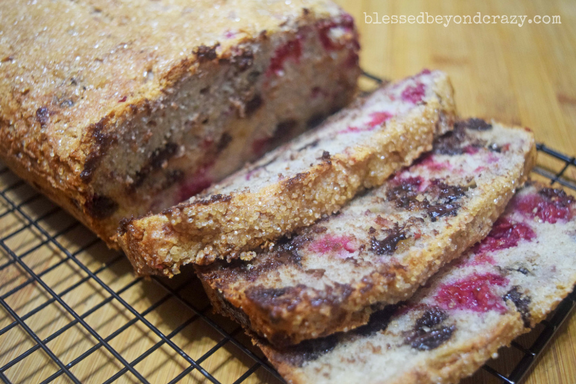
x: 518, y: 75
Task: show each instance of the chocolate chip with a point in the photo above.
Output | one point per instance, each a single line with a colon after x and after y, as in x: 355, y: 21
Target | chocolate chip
x: 102, y: 142
x: 474, y: 124
x: 100, y: 207
x: 432, y: 317
x: 426, y: 341
x: 437, y: 211
x: 404, y: 194
x: 224, y: 141
x: 558, y: 196
x: 243, y: 59
x: 387, y: 246
x: 204, y: 53
x: 522, y: 303
x: 161, y: 155
x: 253, y: 104
x: 428, y: 332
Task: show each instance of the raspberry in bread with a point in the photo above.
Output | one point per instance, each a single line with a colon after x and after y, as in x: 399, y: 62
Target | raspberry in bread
x: 381, y: 246
x: 454, y: 324
x: 293, y: 186
x: 114, y: 109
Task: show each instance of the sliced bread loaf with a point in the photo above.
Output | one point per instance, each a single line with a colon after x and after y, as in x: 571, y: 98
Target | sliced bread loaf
x: 114, y: 109
x: 381, y: 246
x: 293, y: 186
x: 454, y: 324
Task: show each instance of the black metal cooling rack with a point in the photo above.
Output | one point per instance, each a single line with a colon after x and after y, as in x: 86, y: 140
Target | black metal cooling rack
x: 527, y: 349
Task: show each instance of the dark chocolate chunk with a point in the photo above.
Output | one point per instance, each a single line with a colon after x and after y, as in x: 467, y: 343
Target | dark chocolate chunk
x: 100, y: 207
x: 404, y: 194
x: 437, y: 211
x: 522, y: 303
x: 102, y: 142
x: 253, y: 104
x: 474, y: 124
x: 283, y: 132
x: 156, y: 161
x: 432, y: 317
x: 160, y: 155
x: 447, y: 193
x: 204, y: 53
x: 558, y: 196
x: 451, y: 143
x: 523, y: 271
x: 431, y: 339
x: 224, y: 141
x: 387, y: 246
x: 243, y: 59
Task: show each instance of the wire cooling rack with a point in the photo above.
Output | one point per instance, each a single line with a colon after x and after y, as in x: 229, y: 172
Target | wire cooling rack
x: 72, y: 311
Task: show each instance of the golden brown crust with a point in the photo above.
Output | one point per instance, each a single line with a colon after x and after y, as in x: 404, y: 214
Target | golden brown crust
x: 455, y: 363
x: 244, y: 290
x: 72, y: 93
x: 525, y: 279
x: 193, y: 232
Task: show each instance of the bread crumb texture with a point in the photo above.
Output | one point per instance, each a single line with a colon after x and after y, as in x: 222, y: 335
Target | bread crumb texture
x: 383, y: 245
x: 299, y: 183
x: 498, y: 290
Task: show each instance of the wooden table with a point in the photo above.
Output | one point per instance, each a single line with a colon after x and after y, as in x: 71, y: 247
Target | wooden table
x: 518, y: 75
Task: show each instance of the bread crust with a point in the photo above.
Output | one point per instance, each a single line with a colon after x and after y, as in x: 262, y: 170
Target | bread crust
x: 525, y: 279
x: 454, y: 364
x: 287, y: 310
x: 231, y: 225
x: 74, y: 105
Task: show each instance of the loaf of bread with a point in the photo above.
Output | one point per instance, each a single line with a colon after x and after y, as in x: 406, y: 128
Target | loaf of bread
x: 114, y: 109
x: 454, y: 324
x: 381, y: 246
x: 294, y: 185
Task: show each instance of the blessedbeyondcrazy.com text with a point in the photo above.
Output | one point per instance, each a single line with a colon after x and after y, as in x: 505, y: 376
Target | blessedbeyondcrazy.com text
x: 446, y: 20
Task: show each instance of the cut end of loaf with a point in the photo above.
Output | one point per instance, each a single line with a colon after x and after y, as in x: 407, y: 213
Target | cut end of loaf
x: 382, y: 245
x: 301, y: 182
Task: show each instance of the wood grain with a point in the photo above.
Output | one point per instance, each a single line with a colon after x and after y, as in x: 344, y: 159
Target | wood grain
x: 517, y: 75
x: 521, y: 75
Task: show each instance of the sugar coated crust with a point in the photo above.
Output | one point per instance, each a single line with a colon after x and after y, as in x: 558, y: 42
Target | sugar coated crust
x: 115, y: 109
x: 383, y: 245
x: 295, y: 185
x: 497, y: 291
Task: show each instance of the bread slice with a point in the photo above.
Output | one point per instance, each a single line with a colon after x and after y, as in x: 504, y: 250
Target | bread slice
x: 115, y: 109
x: 454, y: 324
x: 293, y: 186
x: 382, y: 246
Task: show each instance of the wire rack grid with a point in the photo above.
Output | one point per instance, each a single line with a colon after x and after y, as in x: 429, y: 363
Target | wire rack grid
x: 72, y: 311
